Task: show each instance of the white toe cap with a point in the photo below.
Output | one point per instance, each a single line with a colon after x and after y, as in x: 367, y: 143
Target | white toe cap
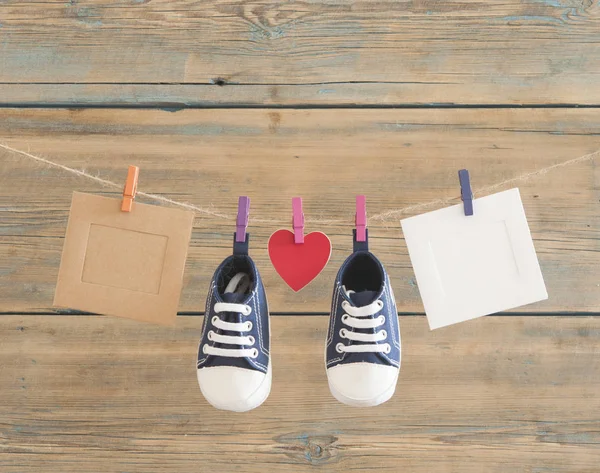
x: 362, y: 384
x: 234, y: 389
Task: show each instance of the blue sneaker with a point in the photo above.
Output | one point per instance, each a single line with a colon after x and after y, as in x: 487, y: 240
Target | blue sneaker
x: 234, y: 366
x: 362, y: 354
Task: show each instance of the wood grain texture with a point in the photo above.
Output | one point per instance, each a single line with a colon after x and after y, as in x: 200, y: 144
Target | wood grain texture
x: 342, y: 52
x: 499, y: 394
x: 398, y: 158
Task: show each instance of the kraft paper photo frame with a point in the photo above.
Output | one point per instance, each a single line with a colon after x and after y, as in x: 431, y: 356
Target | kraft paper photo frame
x: 123, y: 263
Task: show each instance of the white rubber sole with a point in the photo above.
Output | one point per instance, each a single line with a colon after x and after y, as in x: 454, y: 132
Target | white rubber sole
x: 259, y: 396
x: 375, y: 401
x: 349, y: 401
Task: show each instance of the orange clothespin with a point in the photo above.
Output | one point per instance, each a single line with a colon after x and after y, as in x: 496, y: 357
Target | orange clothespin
x: 130, y: 188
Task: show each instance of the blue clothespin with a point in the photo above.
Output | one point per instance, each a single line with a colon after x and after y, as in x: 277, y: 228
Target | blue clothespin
x: 466, y: 194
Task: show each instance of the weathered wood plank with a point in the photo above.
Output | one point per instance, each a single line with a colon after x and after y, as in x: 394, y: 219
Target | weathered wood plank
x: 399, y: 158
x: 499, y: 394
x: 365, y: 51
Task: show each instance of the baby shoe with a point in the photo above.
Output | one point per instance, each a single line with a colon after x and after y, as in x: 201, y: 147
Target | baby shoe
x: 362, y: 354
x: 234, y: 366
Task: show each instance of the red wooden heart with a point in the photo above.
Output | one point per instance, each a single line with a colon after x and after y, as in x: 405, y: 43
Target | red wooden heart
x: 299, y: 264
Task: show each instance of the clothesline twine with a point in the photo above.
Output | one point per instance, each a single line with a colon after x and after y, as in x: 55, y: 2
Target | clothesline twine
x: 382, y: 217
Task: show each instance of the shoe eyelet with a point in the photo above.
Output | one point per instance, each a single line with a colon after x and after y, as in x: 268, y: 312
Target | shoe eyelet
x: 204, y: 349
x: 345, y: 318
x: 247, y: 310
x: 343, y: 332
x: 388, y: 348
x: 248, y: 326
x: 383, y: 334
x: 251, y: 340
x: 210, y: 335
x: 379, y: 304
x: 345, y: 305
x: 254, y: 353
x: 339, y: 348
x: 381, y: 319
x: 214, y: 320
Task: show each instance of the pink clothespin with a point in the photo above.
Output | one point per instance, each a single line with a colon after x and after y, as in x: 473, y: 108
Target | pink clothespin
x: 361, y: 218
x: 241, y: 224
x: 298, y: 220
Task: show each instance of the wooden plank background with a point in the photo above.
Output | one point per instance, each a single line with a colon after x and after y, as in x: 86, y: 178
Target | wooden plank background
x: 324, y: 99
x: 206, y: 158
x: 311, y: 52
x: 500, y: 394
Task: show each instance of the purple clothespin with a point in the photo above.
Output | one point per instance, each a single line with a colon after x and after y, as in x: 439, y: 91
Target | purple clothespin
x: 298, y: 220
x: 361, y: 218
x: 241, y: 223
x: 466, y: 194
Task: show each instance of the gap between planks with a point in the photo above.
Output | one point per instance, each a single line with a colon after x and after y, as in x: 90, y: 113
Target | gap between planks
x: 76, y: 313
x: 177, y: 106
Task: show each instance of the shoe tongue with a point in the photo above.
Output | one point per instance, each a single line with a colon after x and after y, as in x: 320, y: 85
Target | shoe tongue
x: 361, y: 299
x: 235, y: 292
x: 234, y: 297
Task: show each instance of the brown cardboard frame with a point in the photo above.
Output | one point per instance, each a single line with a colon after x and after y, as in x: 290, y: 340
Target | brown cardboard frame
x: 126, y: 264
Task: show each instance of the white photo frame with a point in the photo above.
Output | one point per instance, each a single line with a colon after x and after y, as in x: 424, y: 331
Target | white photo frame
x: 470, y: 266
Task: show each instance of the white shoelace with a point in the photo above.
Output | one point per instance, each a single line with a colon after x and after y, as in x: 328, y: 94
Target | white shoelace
x: 241, y: 282
x: 359, y: 317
